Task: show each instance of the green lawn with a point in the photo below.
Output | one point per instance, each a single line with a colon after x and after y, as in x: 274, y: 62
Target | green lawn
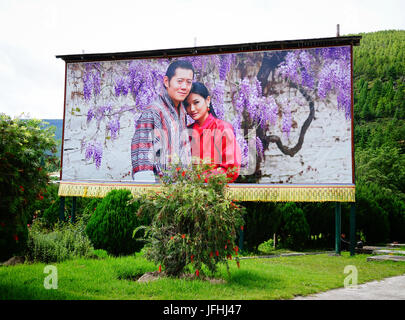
x: 274, y: 278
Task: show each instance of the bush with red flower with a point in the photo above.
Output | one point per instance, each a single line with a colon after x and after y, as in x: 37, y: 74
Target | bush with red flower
x: 191, y: 220
x: 24, y: 159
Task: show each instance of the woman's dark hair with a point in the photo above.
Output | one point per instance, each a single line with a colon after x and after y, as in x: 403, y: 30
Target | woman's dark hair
x: 200, y: 89
x: 183, y: 64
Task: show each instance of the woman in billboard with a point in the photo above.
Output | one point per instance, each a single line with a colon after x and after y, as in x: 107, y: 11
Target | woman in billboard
x: 212, y: 139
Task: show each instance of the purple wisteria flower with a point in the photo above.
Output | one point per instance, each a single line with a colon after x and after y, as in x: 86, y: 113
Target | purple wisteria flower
x: 102, y: 111
x: 94, y: 150
x: 90, y: 115
x: 244, y: 148
x: 121, y: 87
x: 218, y: 99
x: 259, y: 147
x: 307, y: 72
x: 298, y: 68
x: 143, y: 81
x: 267, y: 111
x: 89, y: 151
x: 114, y: 127
x: 273, y: 110
x: 335, y: 76
x: 243, y: 96
x: 87, y: 86
x: 290, y: 67
x: 236, y: 123
x: 326, y: 69
x: 225, y: 65
x: 334, y: 53
x: 243, y: 145
x: 96, y: 83
x: 250, y: 98
x: 91, y: 80
x: 98, y: 154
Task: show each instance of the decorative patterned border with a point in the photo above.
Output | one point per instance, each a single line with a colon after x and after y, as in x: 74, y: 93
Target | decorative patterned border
x: 270, y: 193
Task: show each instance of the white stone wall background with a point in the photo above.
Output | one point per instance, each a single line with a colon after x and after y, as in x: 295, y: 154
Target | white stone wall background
x: 325, y: 156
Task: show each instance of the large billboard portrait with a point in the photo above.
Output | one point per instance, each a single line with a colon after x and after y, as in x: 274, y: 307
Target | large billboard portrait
x: 278, y: 123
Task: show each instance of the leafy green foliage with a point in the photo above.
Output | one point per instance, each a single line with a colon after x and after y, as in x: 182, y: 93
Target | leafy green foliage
x: 111, y: 225
x: 294, y: 231
x: 48, y: 209
x: 23, y: 177
x: 262, y: 221
x: 89, y: 209
x: 266, y: 247
x: 384, y: 166
x: 192, y: 222
x: 380, y: 214
x: 371, y: 218
x: 65, y: 241
x: 379, y: 69
x: 379, y: 131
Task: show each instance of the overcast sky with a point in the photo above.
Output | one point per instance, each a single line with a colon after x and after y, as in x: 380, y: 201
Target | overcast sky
x: 33, y: 32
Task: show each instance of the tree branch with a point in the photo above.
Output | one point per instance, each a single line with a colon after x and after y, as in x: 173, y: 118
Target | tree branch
x: 269, y: 63
x: 292, y: 151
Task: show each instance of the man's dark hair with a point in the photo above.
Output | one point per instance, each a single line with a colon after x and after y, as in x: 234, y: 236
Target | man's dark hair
x: 184, y: 64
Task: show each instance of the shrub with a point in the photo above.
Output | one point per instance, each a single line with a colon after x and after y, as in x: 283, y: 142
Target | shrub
x: 111, y: 225
x: 192, y: 222
x: 262, y: 221
x: 294, y: 230
x: 321, y: 220
x: 13, y: 238
x: 51, y: 214
x: 266, y: 247
x: 66, y: 241
x: 85, y: 215
x: 100, y: 254
x: 23, y: 164
x: 371, y: 218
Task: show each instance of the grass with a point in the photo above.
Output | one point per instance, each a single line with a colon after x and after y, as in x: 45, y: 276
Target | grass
x: 257, y: 279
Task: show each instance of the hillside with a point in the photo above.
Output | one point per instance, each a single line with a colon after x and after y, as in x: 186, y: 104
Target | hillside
x: 379, y: 90
x: 379, y: 102
x: 58, y: 123
x: 379, y: 134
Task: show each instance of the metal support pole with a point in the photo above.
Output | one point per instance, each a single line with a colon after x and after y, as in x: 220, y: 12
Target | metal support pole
x: 352, y: 228
x: 62, y: 209
x: 338, y: 210
x: 73, y: 215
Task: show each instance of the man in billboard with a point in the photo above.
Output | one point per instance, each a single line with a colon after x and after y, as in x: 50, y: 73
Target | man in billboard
x: 159, y: 137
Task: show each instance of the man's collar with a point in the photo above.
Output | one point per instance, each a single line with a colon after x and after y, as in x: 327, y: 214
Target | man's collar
x: 170, y: 102
x: 168, y: 99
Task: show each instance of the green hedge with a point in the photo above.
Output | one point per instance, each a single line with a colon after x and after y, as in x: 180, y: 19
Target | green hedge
x: 111, y: 225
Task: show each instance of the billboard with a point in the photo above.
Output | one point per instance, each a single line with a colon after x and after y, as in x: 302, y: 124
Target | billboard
x: 278, y: 122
